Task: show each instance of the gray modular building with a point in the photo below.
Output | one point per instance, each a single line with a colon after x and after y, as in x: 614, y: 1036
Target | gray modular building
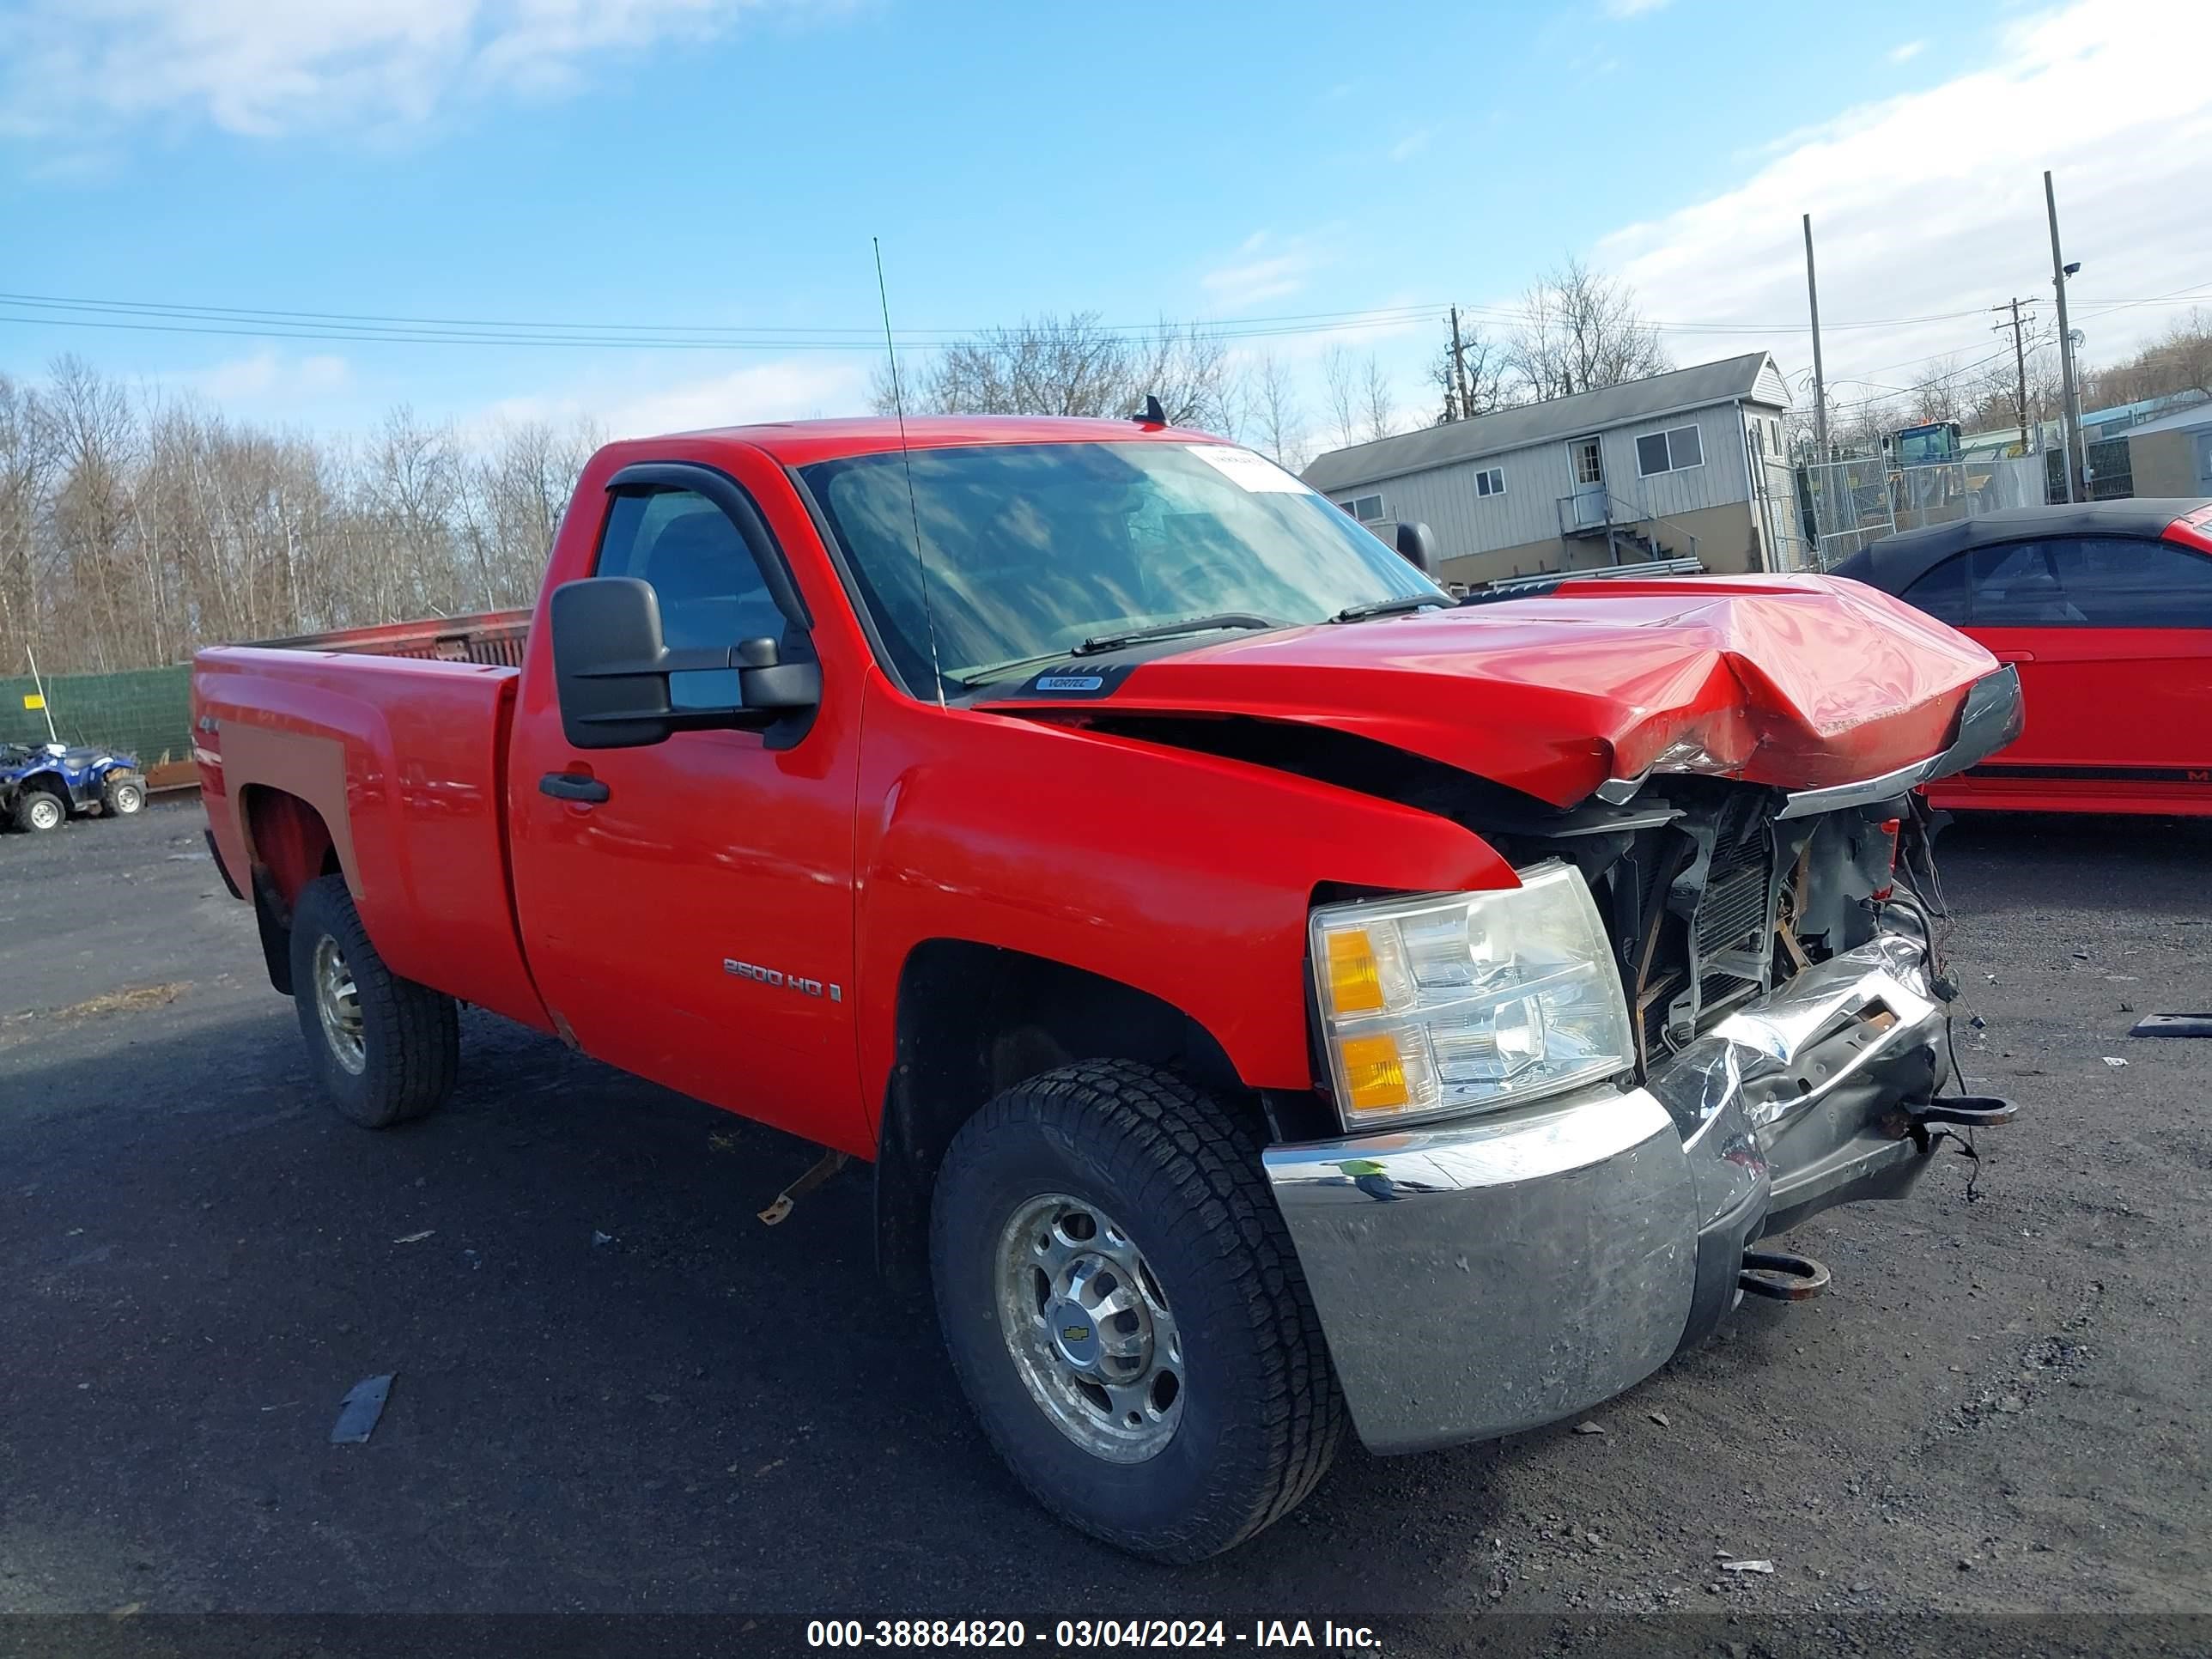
x: 2173, y: 455
x: 1688, y: 462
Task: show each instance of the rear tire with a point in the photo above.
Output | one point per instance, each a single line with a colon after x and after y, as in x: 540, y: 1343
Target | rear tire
x: 1206, y: 1408
x: 40, y: 810
x: 122, y: 793
x: 385, y: 1049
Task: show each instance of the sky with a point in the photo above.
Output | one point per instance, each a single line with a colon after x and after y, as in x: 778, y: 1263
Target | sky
x: 1303, y: 176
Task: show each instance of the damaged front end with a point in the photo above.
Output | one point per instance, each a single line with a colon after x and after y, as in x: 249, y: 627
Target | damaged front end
x: 1482, y: 1274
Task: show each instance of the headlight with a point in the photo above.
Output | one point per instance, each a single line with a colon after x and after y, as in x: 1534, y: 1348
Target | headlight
x: 1465, y: 1002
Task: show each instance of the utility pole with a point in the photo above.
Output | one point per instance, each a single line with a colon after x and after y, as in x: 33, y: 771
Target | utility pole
x: 1459, y: 367
x: 1819, y: 381
x: 2070, y: 417
x: 2020, y: 358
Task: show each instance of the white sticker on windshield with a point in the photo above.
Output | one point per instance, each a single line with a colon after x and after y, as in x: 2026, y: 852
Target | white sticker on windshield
x: 1256, y: 472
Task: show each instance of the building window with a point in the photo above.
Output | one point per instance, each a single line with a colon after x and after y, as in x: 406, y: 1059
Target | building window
x: 1490, y: 482
x: 1368, y: 509
x: 1676, y: 450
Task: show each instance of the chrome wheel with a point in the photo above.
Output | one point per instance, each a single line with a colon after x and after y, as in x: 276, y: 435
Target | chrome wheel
x: 129, y: 798
x: 338, y: 1001
x: 1088, y: 1329
x: 46, y: 811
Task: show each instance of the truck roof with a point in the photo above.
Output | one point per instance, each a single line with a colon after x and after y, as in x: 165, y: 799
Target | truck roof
x: 799, y: 443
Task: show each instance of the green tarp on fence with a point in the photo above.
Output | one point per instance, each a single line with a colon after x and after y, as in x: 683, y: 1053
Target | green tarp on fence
x: 146, y: 712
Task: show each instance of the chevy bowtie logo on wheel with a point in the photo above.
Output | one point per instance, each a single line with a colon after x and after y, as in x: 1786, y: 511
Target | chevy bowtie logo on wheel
x: 770, y: 977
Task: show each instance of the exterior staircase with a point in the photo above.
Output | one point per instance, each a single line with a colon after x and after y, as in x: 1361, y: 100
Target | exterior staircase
x: 1631, y: 535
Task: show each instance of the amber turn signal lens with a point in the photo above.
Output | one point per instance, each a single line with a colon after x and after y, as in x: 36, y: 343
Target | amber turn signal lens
x: 1374, y: 1073
x: 1355, y: 979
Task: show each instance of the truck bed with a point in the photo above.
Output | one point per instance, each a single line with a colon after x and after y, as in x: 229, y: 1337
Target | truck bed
x: 387, y: 745
x: 495, y: 638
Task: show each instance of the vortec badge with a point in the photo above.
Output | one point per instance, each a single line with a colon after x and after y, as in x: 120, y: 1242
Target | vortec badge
x: 1074, y: 680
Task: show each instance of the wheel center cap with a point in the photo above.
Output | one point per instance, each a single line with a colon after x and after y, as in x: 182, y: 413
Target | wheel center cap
x: 1074, y: 1333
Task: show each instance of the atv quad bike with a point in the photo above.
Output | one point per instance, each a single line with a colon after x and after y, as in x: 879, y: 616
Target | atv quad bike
x: 42, y: 785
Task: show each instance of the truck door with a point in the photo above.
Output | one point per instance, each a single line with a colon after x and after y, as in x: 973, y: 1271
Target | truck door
x: 688, y: 905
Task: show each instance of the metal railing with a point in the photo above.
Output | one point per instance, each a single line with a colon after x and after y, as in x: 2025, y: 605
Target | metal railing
x: 1577, y: 525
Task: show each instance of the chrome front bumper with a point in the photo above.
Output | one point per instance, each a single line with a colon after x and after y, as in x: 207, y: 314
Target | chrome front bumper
x: 1479, y: 1277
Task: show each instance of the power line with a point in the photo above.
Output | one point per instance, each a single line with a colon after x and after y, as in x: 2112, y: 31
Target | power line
x: 172, y: 316
x: 66, y: 302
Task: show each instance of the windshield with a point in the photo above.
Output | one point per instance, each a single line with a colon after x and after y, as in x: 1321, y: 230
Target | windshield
x: 1033, y: 548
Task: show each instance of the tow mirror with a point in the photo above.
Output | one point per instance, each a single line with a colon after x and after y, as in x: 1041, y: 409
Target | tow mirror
x: 1416, y: 546
x: 611, y: 669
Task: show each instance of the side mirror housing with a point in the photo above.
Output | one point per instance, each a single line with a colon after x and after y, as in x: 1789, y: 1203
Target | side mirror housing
x: 1416, y: 547
x: 611, y: 669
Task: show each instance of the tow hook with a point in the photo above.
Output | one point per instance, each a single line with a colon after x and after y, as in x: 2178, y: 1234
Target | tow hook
x: 1968, y: 1112
x: 1781, y: 1277
x: 819, y: 1171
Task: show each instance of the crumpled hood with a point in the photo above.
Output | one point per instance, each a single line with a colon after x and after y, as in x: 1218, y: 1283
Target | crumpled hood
x: 1799, y: 682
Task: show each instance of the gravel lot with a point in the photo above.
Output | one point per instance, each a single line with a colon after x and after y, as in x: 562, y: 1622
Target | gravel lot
x: 619, y: 1393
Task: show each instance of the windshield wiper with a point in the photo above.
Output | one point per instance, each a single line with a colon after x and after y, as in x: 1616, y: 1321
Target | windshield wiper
x: 1091, y: 646
x: 1397, y: 607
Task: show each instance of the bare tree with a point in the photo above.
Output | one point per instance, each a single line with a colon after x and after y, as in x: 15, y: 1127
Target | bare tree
x: 1190, y: 371
x: 1276, y: 407
x: 2179, y: 360
x: 96, y: 437
x: 1861, y: 427
x: 1074, y: 364
x: 1583, y: 331
x: 1340, y: 376
x: 26, y: 463
x: 1937, y: 395
x: 1378, y: 404
x: 134, y: 528
x: 512, y: 498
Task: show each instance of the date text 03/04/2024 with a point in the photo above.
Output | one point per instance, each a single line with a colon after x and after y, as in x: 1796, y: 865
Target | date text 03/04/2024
x: 1073, y: 1634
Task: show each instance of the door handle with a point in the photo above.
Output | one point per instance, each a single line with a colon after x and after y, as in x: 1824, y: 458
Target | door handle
x: 572, y: 785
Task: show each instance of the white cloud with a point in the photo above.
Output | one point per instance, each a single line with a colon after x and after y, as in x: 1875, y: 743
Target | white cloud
x: 1412, y: 145
x: 1931, y: 203
x: 1633, y: 8
x: 69, y: 68
x: 268, y: 380
x: 1906, y: 53
x: 642, y: 403
x: 1264, y: 267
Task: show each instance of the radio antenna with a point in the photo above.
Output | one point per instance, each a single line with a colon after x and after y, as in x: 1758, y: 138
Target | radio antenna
x: 906, y: 460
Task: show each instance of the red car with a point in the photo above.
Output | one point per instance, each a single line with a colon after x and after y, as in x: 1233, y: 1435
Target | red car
x: 2106, y: 609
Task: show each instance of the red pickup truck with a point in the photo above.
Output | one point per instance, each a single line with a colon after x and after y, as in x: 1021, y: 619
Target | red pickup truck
x: 1269, y: 992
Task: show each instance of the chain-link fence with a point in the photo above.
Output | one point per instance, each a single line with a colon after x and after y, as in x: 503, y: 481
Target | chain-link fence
x: 1845, y: 505
x: 146, y: 712
x: 1848, y: 504
x: 1780, y: 507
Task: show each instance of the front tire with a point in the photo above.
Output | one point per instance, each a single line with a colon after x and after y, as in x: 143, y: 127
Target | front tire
x: 122, y: 793
x: 40, y: 810
x: 1125, y: 1310
x: 384, y: 1049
